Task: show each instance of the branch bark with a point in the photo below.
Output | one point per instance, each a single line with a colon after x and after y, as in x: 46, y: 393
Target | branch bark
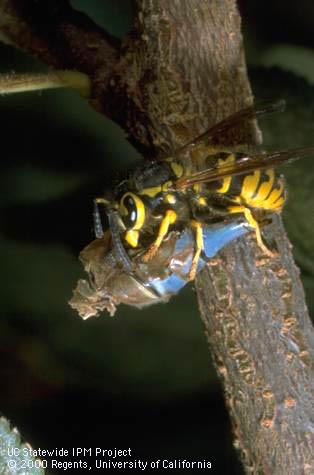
x: 180, y: 71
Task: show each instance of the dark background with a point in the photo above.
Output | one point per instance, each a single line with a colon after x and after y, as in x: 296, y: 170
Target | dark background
x: 142, y: 379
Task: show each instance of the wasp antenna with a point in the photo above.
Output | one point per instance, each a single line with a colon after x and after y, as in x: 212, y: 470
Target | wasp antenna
x: 99, y: 233
x: 12, y: 83
x: 118, y: 247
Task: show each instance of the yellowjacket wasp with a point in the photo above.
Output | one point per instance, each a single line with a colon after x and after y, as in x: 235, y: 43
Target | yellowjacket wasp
x: 190, y: 190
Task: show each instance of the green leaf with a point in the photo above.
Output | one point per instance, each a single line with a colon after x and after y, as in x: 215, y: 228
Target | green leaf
x: 296, y: 59
x: 16, y: 457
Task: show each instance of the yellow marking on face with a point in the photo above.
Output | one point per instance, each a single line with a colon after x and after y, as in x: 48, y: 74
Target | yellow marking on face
x: 139, y: 209
x: 132, y: 237
x: 151, y: 192
x: 249, y: 185
x: 170, y: 199
x: 197, y: 188
x: 226, y: 182
x: 177, y: 169
x: 201, y: 201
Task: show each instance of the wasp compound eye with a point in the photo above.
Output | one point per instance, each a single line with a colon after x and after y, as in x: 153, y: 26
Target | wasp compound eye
x: 132, y: 211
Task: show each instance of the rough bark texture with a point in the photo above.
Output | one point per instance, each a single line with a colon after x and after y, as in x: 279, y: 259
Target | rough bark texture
x: 262, y: 340
x: 182, y: 70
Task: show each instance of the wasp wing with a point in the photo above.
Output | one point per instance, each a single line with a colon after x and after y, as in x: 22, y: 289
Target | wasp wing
x: 232, y: 121
x: 258, y: 161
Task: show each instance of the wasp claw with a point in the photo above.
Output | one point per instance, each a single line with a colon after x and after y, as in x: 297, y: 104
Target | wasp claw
x: 192, y: 273
x: 267, y: 251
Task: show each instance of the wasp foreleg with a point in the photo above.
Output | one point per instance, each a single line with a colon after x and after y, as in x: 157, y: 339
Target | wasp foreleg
x: 169, y: 218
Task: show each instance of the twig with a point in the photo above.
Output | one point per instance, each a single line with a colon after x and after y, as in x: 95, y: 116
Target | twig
x: 12, y: 83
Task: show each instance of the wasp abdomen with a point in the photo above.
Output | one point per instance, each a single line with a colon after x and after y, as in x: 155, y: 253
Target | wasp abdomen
x: 258, y: 189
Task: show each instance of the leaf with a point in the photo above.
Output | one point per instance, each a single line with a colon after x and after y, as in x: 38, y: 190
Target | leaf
x: 296, y: 59
x: 15, y: 454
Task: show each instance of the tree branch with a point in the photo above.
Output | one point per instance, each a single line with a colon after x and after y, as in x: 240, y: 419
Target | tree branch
x: 262, y: 340
x: 163, y: 73
x: 182, y: 70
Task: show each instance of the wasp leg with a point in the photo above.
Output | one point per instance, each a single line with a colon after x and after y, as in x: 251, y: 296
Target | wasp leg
x: 252, y: 222
x: 169, y: 218
x: 199, y: 247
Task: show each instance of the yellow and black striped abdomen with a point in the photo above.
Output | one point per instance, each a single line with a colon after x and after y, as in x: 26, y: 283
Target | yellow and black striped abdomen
x: 263, y: 189
x: 260, y: 189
